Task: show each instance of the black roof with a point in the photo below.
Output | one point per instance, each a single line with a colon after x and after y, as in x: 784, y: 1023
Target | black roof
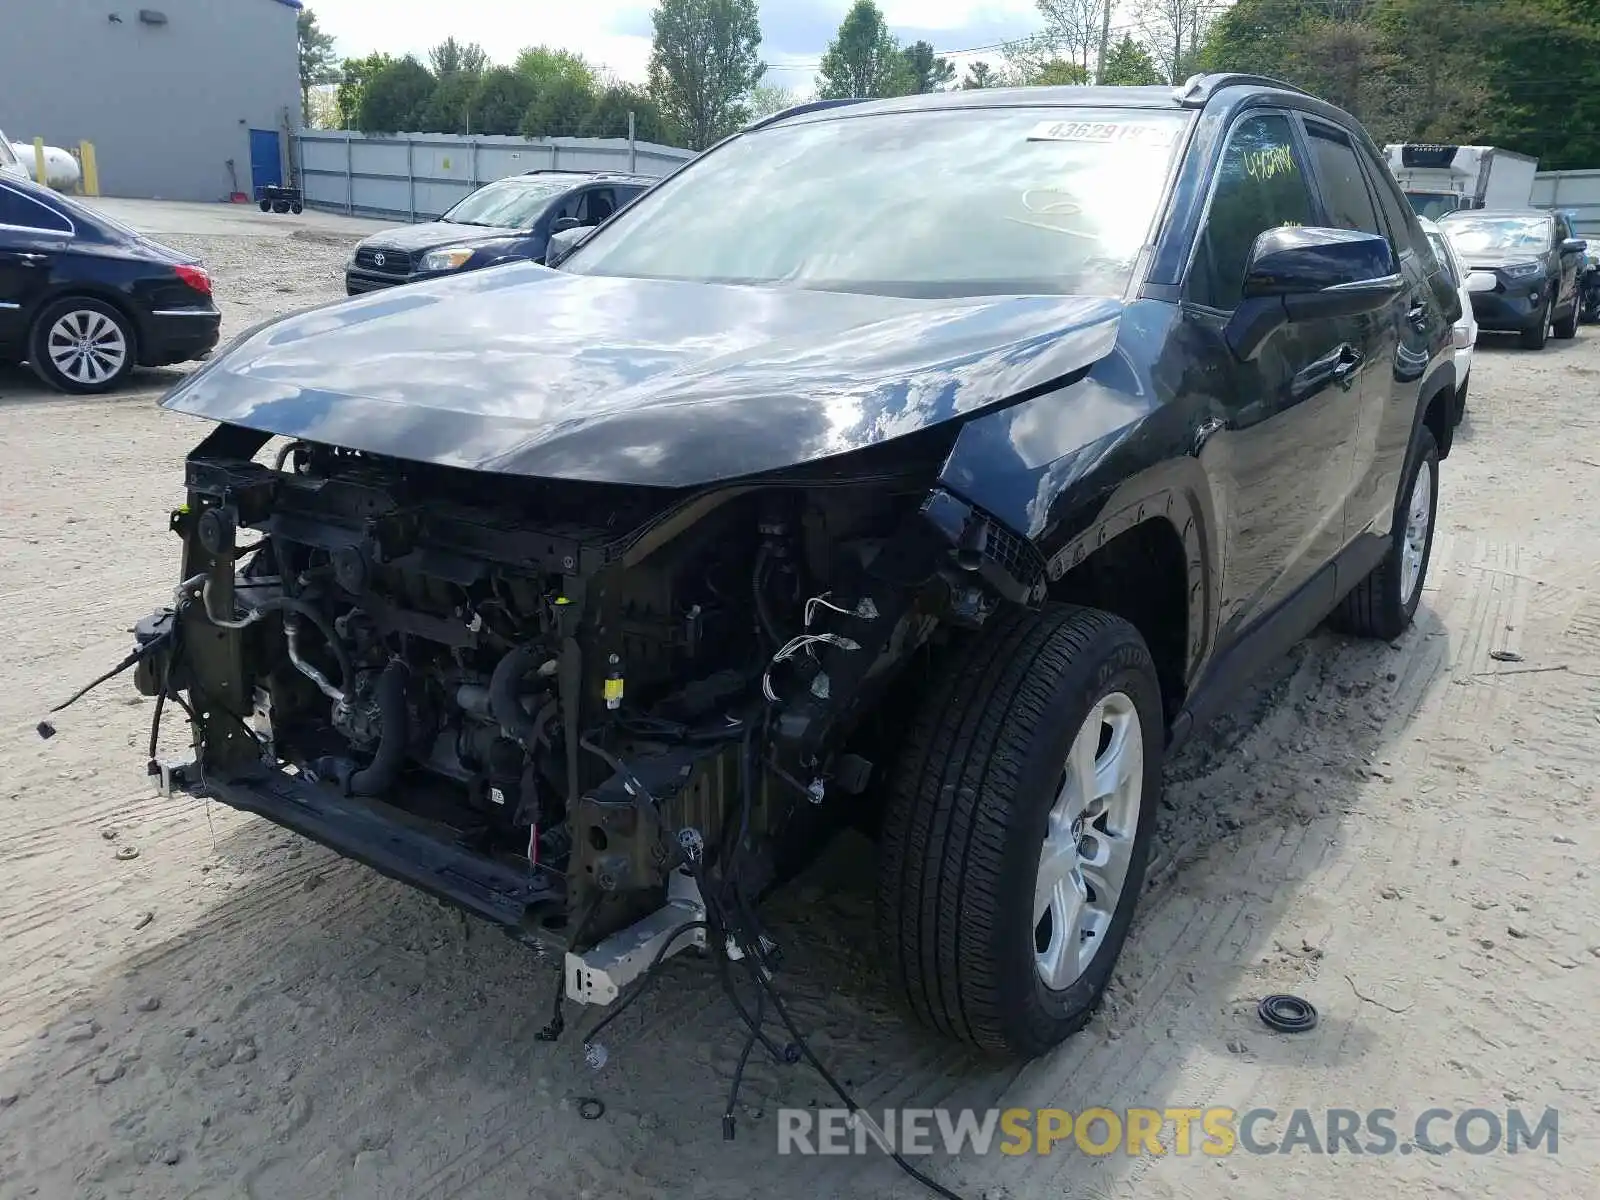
x: 1196, y: 92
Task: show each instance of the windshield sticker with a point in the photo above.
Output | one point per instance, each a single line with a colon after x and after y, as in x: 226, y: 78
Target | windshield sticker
x: 1154, y: 134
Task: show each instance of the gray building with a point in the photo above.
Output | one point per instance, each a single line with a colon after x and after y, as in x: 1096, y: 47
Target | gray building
x: 182, y: 99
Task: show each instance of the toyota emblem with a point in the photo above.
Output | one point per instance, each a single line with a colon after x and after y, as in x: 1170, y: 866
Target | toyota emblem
x: 378, y: 259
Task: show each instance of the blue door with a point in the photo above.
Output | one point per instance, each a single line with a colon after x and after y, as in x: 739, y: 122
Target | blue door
x: 266, y: 159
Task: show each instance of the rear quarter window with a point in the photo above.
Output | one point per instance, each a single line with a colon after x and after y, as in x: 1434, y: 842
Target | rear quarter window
x: 25, y: 212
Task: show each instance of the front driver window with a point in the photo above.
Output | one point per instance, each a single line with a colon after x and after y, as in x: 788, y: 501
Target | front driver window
x: 1259, y: 186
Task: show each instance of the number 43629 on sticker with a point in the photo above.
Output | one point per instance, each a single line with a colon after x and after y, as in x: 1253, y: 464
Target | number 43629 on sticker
x: 1137, y: 133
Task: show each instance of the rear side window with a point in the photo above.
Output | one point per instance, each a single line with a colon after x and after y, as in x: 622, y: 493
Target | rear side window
x: 1344, y: 188
x: 1436, y: 243
x: 1260, y: 185
x: 27, y: 213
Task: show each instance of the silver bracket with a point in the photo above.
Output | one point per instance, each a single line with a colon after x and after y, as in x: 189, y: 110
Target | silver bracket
x: 598, y: 975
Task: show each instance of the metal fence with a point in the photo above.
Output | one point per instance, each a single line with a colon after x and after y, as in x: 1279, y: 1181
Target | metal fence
x: 418, y: 177
x: 1576, y: 191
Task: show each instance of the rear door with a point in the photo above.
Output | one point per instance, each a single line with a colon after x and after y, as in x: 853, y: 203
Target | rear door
x: 1571, y: 263
x: 1417, y: 330
x: 33, y: 237
x: 1281, y: 456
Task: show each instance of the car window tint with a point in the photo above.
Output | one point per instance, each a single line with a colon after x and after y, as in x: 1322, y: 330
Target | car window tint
x: 1260, y: 186
x: 24, y: 211
x: 1344, y: 188
x: 1405, y: 235
x: 598, y: 204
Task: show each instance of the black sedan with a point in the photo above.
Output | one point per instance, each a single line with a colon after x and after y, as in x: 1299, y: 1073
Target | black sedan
x: 509, y: 220
x: 1522, y: 270
x: 84, y: 299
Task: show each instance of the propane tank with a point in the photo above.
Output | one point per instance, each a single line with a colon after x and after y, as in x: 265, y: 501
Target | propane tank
x: 61, y: 169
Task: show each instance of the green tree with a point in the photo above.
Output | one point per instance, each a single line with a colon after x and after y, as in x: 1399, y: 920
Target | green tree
x: 501, y: 100
x: 543, y: 66
x: 559, y: 109
x: 863, y: 60
x: 451, y: 57
x: 354, y: 75
x: 1056, y: 72
x: 980, y: 75
x: 319, y: 65
x: 608, y: 117
x: 766, y: 99
x: 396, y: 97
x: 924, y: 71
x: 449, y: 107
x: 1128, y: 64
x: 704, y: 61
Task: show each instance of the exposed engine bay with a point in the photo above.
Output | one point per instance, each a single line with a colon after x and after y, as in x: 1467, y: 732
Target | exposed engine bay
x: 569, y: 707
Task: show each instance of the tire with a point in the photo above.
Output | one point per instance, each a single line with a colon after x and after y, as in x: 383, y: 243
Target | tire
x: 281, y: 207
x: 1567, y: 327
x: 977, y: 789
x: 265, y: 205
x: 1461, y: 400
x: 297, y: 208
x: 1534, y: 335
x: 1383, y: 604
x: 86, y: 324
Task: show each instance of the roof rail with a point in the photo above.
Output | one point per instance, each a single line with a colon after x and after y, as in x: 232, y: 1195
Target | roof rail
x: 1198, y: 89
x: 562, y: 171
x: 797, y: 110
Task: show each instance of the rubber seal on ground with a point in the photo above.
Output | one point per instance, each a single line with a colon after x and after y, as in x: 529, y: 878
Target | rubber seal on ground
x: 591, y: 1109
x: 1287, y: 1014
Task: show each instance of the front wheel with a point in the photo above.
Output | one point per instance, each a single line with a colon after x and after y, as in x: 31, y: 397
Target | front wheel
x: 1533, y: 337
x: 1019, y: 828
x: 81, y: 345
x: 1383, y: 604
x: 1567, y: 326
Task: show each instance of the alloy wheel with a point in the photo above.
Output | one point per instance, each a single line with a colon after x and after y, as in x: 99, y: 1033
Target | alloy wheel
x: 1419, y: 520
x: 87, y: 347
x: 1088, y: 842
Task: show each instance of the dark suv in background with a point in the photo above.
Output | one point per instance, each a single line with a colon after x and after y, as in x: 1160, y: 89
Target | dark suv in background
x: 1522, y: 268
x: 505, y: 221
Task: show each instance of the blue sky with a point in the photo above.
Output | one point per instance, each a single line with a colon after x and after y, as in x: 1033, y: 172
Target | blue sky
x: 616, y: 33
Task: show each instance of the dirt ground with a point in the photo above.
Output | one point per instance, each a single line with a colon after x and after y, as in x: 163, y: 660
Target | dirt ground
x: 195, y: 1003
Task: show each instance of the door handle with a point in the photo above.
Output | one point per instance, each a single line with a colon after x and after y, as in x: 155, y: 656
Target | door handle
x: 1417, y: 314
x: 1344, y: 371
x: 31, y: 260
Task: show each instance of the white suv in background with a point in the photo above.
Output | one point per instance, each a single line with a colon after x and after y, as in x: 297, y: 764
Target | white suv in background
x: 10, y: 164
x: 1464, y: 335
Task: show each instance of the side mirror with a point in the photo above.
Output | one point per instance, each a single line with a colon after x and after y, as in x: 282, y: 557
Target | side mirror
x: 562, y: 224
x: 1574, y: 246
x: 1300, y: 273
x: 563, y: 243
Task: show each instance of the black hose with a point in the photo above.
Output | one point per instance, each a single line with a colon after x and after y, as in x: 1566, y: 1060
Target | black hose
x: 505, y: 692
x: 758, y: 584
x: 379, y: 775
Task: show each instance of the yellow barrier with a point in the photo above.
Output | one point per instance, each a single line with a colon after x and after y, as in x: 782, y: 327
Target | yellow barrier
x: 91, y: 169
x: 41, y: 176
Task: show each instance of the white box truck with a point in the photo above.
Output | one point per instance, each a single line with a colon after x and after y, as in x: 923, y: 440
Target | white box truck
x: 1441, y: 179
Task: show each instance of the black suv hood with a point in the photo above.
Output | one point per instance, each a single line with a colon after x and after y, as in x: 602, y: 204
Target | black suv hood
x: 526, y: 371
x: 435, y: 234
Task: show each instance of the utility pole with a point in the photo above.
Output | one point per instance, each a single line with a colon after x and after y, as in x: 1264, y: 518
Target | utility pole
x: 1105, y: 39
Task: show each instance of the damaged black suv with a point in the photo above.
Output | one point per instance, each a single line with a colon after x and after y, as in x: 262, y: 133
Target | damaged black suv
x: 933, y: 464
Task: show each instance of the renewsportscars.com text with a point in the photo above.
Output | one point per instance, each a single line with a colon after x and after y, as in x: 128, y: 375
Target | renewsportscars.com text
x: 1214, y: 1132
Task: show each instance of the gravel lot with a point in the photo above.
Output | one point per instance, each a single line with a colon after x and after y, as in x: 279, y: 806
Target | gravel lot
x: 195, y: 1003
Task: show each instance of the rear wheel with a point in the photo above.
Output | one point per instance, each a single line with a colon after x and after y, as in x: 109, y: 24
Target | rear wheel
x: 1383, y: 604
x: 1534, y: 335
x: 81, y: 345
x: 1019, y: 827
x: 266, y: 205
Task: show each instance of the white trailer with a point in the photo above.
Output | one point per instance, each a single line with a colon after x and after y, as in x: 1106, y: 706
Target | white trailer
x: 1441, y: 179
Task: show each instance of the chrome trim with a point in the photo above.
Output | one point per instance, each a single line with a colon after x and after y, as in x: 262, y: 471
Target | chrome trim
x: 10, y: 307
x: 1379, y: 283
x: 186, y: 312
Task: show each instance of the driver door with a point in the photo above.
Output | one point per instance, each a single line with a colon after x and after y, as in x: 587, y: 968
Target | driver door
x: 1282, y: 452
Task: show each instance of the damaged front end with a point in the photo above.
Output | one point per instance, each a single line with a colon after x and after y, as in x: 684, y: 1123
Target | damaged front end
x: 601, y: 716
